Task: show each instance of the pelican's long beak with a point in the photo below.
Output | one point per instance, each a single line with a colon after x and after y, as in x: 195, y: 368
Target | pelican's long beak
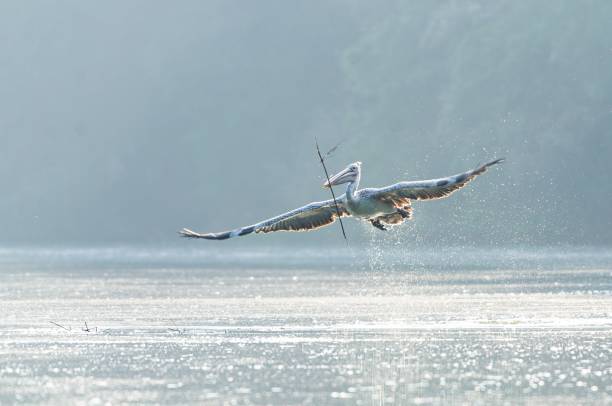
x: 339, y: 178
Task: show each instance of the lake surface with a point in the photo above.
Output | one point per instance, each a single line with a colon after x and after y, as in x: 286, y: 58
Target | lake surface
x: 213, y: 326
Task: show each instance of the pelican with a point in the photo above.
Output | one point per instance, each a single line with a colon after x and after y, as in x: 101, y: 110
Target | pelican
x: 382, y: 207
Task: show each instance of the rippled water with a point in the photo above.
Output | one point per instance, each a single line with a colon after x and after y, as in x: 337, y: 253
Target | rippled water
x: 306, y: 327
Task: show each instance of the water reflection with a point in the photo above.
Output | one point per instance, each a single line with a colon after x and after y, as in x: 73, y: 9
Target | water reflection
x: 306, y: 335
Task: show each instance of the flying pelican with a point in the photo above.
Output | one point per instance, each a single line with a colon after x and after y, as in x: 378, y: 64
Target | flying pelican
x: 384, y: 206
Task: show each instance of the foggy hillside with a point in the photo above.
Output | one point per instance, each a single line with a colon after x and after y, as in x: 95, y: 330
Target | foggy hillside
x: 122, y: 122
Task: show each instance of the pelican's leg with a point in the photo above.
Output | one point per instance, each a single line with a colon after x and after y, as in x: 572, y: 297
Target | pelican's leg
x: 378, y: 224
x: 405, y: 214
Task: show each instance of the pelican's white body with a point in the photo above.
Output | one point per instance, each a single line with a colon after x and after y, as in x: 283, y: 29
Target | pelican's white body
x: 359, y: 205
x: 359, y: 202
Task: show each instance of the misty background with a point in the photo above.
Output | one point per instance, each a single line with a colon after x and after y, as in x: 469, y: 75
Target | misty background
x: 124, y: 121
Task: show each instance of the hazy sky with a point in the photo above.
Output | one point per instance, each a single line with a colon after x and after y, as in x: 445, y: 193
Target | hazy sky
x: 123, y: 121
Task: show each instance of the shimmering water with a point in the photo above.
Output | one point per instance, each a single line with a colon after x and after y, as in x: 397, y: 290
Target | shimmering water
x: 306, y: 327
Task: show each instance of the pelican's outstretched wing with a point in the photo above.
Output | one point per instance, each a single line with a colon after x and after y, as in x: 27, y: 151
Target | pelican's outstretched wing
x: 309, y: 217
x: 401, y: 193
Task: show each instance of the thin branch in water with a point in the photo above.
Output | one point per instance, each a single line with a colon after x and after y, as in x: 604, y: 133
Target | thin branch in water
x: 330, y: 186
x: 60, y: 326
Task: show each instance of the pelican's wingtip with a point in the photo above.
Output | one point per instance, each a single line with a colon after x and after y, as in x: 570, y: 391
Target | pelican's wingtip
x: 185, y: 232
x: 495, y: 162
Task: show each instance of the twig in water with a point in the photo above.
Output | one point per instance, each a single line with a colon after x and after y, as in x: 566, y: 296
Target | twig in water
x: 86, y: 329
x: 60, y: 326
x: 330, y: 186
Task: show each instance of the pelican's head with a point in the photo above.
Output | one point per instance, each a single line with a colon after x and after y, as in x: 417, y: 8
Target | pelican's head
x: 349, y: 174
